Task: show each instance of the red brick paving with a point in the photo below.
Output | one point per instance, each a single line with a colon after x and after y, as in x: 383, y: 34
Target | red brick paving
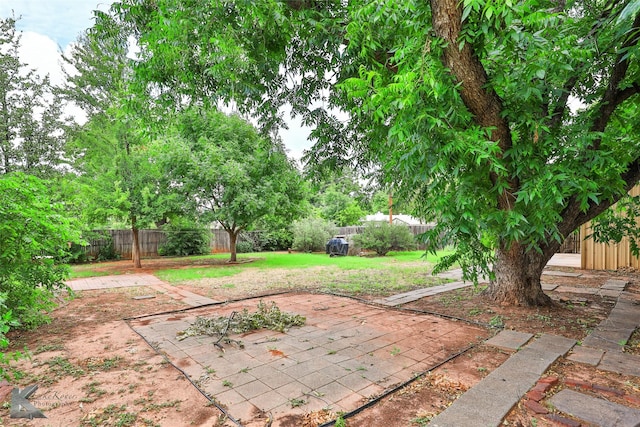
x: 346, y: 352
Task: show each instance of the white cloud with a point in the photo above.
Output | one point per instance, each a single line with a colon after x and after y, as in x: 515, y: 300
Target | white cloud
x: 41, y: 53
x: 60, y: 20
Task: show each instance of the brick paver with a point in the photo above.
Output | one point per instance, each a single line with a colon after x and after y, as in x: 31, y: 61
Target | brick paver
x: 590, y: 356
x: 346, y: 353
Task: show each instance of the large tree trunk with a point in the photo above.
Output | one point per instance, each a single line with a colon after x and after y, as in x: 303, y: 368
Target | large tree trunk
x: 517, y: 276
x: 135, y: 247
x: 233, y: 237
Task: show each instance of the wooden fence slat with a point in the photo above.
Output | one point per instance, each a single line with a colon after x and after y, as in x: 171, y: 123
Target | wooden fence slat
x: 607, y: 256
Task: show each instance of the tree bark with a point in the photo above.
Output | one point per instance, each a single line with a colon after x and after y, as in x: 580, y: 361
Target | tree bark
x: 233, y: 237
x: 517, y: 276
x: 135, y: 247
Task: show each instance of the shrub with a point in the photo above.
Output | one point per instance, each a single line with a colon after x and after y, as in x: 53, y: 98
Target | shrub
x: 274, y: 240
x: 34, y: 232
x: 6, y: 323
x: 244, y: 247
x: 107, y: 249
x: 384, y: 237
x: 184, y: 238
x: 267, y: 240
x: 75, y: 254
x: 312, y: 234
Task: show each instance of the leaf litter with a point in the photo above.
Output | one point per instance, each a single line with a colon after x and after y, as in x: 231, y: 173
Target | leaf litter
x: 268, y: 316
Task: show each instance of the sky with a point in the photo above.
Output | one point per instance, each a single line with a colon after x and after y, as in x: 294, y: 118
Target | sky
x: 50, y: 26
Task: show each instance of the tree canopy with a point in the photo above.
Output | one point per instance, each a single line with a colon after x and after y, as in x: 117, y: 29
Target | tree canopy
x: 234, y: 176
x: 509, y: 123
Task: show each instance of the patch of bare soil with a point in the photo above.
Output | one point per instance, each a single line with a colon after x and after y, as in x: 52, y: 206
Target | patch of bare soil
x: 573, y: 315
x: 93, y: 370
x: 419, y: 401
x: 151, y: 265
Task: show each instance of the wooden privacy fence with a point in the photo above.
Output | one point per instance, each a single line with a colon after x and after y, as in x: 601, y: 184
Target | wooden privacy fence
x: 152, y: 240
x: 607, y: 256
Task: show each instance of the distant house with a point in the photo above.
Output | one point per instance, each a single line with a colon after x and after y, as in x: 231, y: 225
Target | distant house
x: 397, y: 219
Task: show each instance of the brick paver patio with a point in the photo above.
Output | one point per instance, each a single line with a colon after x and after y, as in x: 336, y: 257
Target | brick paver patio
x: 347, y: 352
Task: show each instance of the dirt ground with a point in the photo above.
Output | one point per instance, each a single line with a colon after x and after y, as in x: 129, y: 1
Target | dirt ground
x: 93, y: 370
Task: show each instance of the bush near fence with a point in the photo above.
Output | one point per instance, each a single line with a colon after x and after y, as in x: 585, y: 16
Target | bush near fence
x: 151, y: 240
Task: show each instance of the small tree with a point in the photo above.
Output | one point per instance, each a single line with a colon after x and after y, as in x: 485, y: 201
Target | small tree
x: 230, y: 173
x: 384, y: 237
x: 340, y: 208
x: 312, y: 234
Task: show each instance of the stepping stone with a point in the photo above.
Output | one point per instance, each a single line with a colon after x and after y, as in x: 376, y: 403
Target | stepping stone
x: 144, y: 297
x: 616, y: 285
x: 548, y: 286
x: 608, y: 339
x: 553, y: 344
x: 610, y: 293
x: 509, y: 340
x: 415, y: 295
x: 595, y: 410
x: 561, y: 273
x: 577, y: 290
x: 587, y: 355
x: 613, y: 332
x: 622, y: 363
x: 628, y: 310
x: 489, y: 401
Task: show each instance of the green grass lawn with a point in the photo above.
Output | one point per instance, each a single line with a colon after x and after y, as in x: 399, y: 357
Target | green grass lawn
x: 176, y: 275
x: 395, y: 272
x: 269, y: 260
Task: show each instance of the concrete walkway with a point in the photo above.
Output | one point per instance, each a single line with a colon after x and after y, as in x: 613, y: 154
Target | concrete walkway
x: 406, y: 297
x: 131, y: 280
x: 489, y: 401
